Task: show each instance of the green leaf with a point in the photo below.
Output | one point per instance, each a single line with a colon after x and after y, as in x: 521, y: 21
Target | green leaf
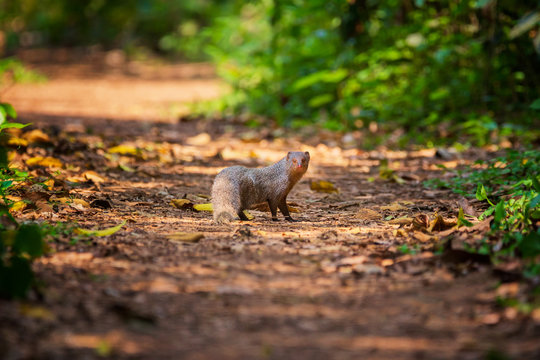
x: 10, y: 110
x: 3, y: 114
x: 29, y: 240
x: 481, y: 192
x: 320, y: 100
x: 16, y: 277
x: 104, y: 232
x: 534, y: 202
x: 535, y: 183
x: 500, y: 212
x: 530, y: 245
x: 8, y: 125
x: 536, y: 104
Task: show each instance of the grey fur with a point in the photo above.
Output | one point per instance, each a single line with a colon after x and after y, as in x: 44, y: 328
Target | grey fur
x: 237, y: 188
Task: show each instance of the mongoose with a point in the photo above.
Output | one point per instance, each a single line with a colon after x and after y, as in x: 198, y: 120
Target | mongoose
x: 237, y: 188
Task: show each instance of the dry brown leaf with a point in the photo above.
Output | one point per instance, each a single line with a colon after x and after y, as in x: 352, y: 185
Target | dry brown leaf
x: 418, y: 235
x: 368, y: 214
x: 400, y: 232
x: 93, y: 176
x: 395, y: 206
x: 185, y: 237
x: 466, y: 206
x: 323, y: 186
x: 199, y: 140
x: 401, y: 221
x: 421, y: 221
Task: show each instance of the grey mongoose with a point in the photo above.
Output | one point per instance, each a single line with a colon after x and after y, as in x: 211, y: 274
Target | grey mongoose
x: 236, y: 188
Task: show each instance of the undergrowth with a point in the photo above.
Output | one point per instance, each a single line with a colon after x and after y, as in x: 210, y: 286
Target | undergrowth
x: 509, y: 186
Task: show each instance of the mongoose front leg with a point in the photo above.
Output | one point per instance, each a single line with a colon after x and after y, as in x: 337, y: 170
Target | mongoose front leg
x: 285, y: 210
x: 242, y: 216
x: 273, y: 210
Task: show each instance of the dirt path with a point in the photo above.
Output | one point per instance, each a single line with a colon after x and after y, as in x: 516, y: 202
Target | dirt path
x: 335, y: 285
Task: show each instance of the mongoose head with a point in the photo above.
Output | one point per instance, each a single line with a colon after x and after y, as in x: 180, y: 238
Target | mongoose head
x: 298, y: 161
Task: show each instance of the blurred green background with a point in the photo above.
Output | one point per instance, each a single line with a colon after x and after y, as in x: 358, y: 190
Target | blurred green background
x: 429, y: 69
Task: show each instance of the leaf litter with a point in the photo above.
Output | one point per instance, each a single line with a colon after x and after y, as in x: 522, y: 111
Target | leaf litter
x: 369, y: 244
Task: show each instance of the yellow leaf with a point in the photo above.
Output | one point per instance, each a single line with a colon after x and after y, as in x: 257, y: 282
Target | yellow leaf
x: 203, y: 207
x: 323, y: 186
x: 81, y: 202
x: 49, y: 183
x: 18, y: 206
x: 185, y: 237
x: 248, y: 215
x: 36, y: 136
x: 15, y: 141
x: 182, y: 204
x: 104, y: 232
x: 93, y: 176
x: 400, y: 232
x: 395, y: 206
x: 36, y: 312
x: 124, y: 150
x: 44, y: 161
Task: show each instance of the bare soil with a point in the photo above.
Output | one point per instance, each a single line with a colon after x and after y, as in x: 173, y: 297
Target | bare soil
x: 337, y: 284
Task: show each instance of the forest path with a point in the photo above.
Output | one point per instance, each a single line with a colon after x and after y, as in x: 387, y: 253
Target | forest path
x: 338, y: 284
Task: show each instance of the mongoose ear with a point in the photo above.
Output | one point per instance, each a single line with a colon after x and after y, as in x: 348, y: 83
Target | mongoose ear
x: 307, y: 154
x: 288, y: 155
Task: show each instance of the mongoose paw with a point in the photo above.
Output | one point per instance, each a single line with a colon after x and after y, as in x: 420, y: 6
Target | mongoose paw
x: 275, y: 219
x: 288, y: 218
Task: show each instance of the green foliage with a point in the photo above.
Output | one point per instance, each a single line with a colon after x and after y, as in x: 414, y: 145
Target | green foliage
x: 510, y: 185
x: 442, y: 68
x: 20, y: 244
x: 160, y: 25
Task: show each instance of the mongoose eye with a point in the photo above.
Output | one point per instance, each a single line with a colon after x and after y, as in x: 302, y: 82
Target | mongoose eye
x: 294, y: 161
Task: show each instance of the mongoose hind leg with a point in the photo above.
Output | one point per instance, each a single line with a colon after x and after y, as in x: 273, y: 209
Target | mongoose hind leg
x: 273, y: 210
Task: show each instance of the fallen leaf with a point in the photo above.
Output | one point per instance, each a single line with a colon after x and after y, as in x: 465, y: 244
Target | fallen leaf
x: 184, y: 204
x: 36, y: 312
x: 204, y: 207
x: 421, y: 221
x: 124, y: 149
x: 49, y: 184
x: 400, y: 232
x: 93, y: 176
x: 248, y: 215
x: 368, y: 214
x: 44, y: 161
x: 466, y: 206
x: 395, y: 206
x: 16, y: 141
x: 18, y: 206
x: 401, y: 221
x: 36, y: 136
x: 323, y: 186
x: 201, y: 139
x: 104, y: 232
x: 185, y: 237
x: 422, y: 237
